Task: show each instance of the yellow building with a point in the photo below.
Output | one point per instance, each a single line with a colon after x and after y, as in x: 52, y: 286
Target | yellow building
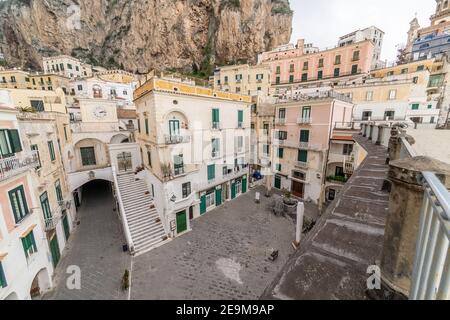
x: 118, y: 76
x: 244, y: 79
x: 431, y: 65
x: 39, y: 100
x: 19, y: 79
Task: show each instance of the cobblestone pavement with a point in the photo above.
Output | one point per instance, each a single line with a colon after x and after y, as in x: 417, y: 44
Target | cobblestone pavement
x: 96, y: 247
x: 223, y: 257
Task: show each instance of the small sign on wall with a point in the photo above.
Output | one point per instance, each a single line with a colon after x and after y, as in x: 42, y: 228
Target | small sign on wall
x: 172, y: 225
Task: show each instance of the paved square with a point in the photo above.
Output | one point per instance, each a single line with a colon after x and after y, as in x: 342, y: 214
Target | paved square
x: 223, y: 257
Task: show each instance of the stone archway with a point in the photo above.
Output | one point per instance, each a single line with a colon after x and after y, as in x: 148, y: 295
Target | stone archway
x: 40, y: 284
x: 119, y: 138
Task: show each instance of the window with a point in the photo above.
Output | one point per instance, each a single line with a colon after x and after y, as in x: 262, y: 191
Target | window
x: 278, y: 167
x: 282, y: 113
x: 299, y: 175
x: 282, y: 135
x: 37, y: 105
x: 278, y: 71
x: 280, y: 153
x: 238, y: 77
x: 178, y: 165
x: 415, y: 106
x: 277, y: 80
x: 174, y: 128
x: 369, y: 95
x: 291, y: 68
x: 58, y: 191
x: 3, y: 282
x: 366, y: 115
x: 337, y: 59
x: 239, y: 144
x: 339, y: 172
x: 226, y: 80
x: 13, y: 79
x: 321, y: 63
x: 51, y: 150
x: 348, y: 149
x: 210, y: 198
x: 432, y: 120
x: 9, y: 142
x: 354, y: 69
x: 415, y: 80
x: 147, y: 129
x: 420, y: 68
x: 302, y: 156
x: 149, y: 158
x: 45, y: 205
x: 337, y: 71
x: 304, y: 77
x: 186, y: 189
x: 215, y: 118
x: 69, y: 66
x: 34, y: 147
x: 211, y: 172
x: 305, y: 65
x: 291, y: 78
x: 403, y: 71
x: 240, y: 118
x: 29, y: 244
x: 238, y: 89
x: 355, y: 55
x: 392, y: 94
x: 304, y: 136
x: 77, y: 68
x: 320, y: 74
x: 430, y: 106
x: 215, y: 147
x: 88, y: 156
x: 18, y: 203
x: 259, y: 77
x: 390, y: 73
x: 306, y: 112
x: 80, y: 87
x: 266, y: 149
x: 389, y: 115
x: 125, y: 92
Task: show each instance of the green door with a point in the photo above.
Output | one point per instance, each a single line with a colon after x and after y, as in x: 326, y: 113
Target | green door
x: 66, y: 225
x: 244, y: 184
x: 233, y: 190
x: 218, y: 197
x: 54, y: 249
x: 203, y: 204
x: 181, y: 222
x: 277, y: 182
x: 45, y: 205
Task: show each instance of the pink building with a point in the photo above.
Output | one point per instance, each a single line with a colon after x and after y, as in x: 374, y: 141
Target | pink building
x: 303, y: 129
x: 292, y: 65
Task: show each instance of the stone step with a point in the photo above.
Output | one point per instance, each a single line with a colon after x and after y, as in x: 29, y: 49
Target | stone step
x: 148, y: 242
x: 154, y: 234
x: 139, y: 217
x: 145, y: 227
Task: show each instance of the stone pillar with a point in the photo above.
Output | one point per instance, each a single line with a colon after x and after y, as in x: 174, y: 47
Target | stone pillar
x: 370, y: 131
x: 402, y: 224
x: 364, y: 126
x: 381, y: 129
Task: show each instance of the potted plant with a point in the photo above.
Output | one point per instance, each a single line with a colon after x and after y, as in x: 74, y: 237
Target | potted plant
x: 290, y: 204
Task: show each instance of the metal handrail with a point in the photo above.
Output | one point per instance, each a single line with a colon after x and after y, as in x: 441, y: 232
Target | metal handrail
x: 126, y: 228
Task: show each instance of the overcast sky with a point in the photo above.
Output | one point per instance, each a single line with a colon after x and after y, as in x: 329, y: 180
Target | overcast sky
x: 322, y: 22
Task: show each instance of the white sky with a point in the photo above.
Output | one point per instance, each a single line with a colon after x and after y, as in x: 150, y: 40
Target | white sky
x: 322, y: 22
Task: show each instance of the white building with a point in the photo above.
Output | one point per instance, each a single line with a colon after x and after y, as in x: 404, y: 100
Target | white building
x: 371, y: 33
x: 67, y: 66
x: 195, y: 146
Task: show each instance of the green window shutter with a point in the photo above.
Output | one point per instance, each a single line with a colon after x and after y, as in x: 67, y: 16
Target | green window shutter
x: 51, y: 150
x: 14, y: 139
x: 58, y: 191
x: 18, y: 203
x: 303, y: 155
x: 202, y: 204
x: 218, y: 197
x: 240, y: 115
x: 415, y: 106
x: 3, y: 282
x: 215, y: 115
x: 280, y: 153
x: 355, y: 69
x: 211, y: 172
x: 45, y: 205
x: 139, y: 124
x: 146, y: 127
x: 29, y: 244
x: 278, y: 167
x: 304, y: 136
x: 35, y: 148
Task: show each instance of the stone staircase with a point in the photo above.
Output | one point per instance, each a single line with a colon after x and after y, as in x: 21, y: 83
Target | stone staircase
x: 146, y: 228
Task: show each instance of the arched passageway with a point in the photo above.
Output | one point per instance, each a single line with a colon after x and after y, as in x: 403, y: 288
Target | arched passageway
x: 41, y: 284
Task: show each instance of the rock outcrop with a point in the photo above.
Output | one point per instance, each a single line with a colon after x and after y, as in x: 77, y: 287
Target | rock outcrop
x: 139, y: 35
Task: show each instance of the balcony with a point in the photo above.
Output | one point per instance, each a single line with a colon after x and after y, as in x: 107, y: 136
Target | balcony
x: 337, y: 179
x: 309, y: 146
x: 215, y: 126
x: 51, y: 222
x: 17, y: 164
x: 176, y: 139
x: 305, y: 121
x: 301, y: 164
x: 280, y: 121
x: 215, y: 154
x: 235, y: 173
x: 240, y: 125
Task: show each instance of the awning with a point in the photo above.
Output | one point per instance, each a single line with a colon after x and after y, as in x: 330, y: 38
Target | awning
x: 28, y: 231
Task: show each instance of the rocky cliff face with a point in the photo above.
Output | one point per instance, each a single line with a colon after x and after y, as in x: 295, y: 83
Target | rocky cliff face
x: 187, y: 35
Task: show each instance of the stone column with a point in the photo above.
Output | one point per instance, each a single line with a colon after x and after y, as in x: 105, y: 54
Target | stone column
x: 402, y: 224
x: 381, y: 129
x: 364, y: 126
x: 370, y: 131
x: 395, y: 142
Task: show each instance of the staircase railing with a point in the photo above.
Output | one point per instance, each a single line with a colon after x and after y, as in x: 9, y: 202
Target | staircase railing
x: 126, y: 228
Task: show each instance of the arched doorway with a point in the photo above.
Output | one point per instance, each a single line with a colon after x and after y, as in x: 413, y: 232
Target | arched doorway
x: 119, y: 138
x: 91, y: 188
x: 41, y: 284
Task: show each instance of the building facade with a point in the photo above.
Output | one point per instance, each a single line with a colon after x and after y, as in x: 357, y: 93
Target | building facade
x: 66, y: 66
x: 194, y: 143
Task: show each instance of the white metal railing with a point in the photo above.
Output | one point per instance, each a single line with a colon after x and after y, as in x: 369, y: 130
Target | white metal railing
x: 431, y: 273
x: 17, y: 164
x: 51, y: 222
x: 216, y: 125
x: 175, y: 139
x: 302, y: 120
x: 301, y: 164
x: 126, y: 228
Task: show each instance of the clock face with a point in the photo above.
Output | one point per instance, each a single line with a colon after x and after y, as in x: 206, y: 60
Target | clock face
x: 100, y: 112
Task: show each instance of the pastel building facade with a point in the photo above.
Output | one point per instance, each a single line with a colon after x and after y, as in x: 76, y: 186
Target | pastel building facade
x: 195, y: 146
x: 19, y: 79
x: 294, y: 67
x: 67, y: 66
x: 303, y: 129
x: 25, y: 257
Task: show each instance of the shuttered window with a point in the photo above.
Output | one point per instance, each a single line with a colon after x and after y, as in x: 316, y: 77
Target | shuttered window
x: 215, y: 115
x: 58, y: 190
x: 303, y: 156
x: 280, y: 153
x: 29, y: 244
x: 211, y: 172
x: 18, y: 203
x: 35, y: 147
x: 88, y: 156
x: 3, y: 282
x: 304, y: 136
x: 9, y: 142
x: 51, y: 150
